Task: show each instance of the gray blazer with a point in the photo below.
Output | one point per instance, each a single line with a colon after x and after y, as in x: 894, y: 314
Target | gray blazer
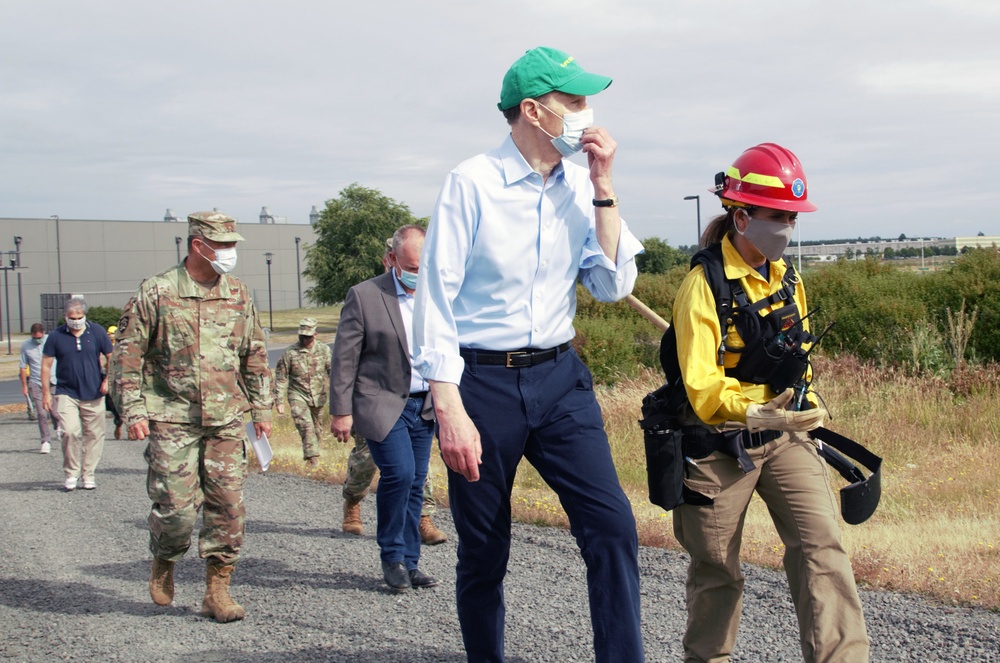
x: 370, y: 373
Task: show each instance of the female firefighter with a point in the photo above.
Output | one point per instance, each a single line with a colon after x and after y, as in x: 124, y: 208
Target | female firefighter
x: 743, y: 369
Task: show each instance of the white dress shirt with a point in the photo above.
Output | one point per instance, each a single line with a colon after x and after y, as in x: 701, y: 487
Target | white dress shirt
x: 501, y: 260
x: 417, y: 383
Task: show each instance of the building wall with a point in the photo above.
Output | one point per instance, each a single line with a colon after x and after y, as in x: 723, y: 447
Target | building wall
x: 101, y: 256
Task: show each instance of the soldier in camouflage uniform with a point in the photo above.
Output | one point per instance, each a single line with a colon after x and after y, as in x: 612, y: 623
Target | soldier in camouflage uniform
x: 189, y: 361
x: 301, y: 376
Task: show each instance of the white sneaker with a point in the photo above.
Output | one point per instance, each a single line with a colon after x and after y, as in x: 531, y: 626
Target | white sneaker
x: 89, y: 485
x: 46, y: 448
x: 70, y: 484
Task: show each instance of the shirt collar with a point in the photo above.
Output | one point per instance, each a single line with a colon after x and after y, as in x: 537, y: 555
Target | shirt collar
x: 188, y: 287
x: 515, y: 167
x: 736, y: 266
x: 399, y: 286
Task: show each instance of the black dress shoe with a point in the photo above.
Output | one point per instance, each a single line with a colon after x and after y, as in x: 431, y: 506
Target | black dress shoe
x: 396, y: 576
x: 420, y: 579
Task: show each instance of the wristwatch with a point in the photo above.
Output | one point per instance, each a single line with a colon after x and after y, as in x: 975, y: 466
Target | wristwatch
x: 607, y: 202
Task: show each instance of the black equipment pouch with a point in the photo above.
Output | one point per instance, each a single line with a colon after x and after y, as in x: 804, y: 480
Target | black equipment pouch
x: 773, y: 354
x: 664, y: 457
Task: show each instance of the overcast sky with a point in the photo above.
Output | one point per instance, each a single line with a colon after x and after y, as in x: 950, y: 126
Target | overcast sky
x: 120, y: 109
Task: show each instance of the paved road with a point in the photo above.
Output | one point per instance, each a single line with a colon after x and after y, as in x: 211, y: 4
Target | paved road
x: 74, y: 566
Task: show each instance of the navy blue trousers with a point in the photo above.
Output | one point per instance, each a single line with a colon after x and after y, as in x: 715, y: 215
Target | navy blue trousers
x: 402, y: 459
x: 548, y: 414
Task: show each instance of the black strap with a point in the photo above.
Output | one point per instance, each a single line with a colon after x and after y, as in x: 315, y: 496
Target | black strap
x: 849, y: 447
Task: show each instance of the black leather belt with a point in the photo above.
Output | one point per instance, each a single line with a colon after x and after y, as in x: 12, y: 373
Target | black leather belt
x: 754, y: 440
x: 419, y: 394
x: 515, y: 358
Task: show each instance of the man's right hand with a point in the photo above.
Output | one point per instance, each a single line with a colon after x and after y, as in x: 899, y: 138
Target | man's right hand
x: 341, y: 425
x: 461, y: 446
x: 139, y: 430
x: 281, y: 408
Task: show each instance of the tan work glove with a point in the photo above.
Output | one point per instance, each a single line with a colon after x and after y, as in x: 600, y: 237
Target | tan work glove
x: 773, y: 415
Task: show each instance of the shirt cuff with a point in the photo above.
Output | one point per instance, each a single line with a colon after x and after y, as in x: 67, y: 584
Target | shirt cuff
x: 260, y: 416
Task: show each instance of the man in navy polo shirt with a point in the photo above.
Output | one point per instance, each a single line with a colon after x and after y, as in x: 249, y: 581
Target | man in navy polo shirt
x: 77, y: 347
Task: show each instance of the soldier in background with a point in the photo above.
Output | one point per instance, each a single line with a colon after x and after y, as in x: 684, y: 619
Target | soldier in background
x: 301, y: 376
x: 361, y: 471
x: 189, y: 361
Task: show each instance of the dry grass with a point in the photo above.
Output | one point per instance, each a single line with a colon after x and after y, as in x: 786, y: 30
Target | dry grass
x: 937, y: 529
x: 286, y: 323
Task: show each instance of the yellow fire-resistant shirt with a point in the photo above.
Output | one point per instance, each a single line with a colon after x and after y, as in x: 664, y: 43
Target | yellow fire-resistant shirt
x: 714, y: 397
x: 190, y: 354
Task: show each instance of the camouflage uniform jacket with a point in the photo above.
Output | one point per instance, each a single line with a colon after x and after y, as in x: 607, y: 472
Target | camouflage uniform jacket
x: 303, y: 372
x: 186, y: 354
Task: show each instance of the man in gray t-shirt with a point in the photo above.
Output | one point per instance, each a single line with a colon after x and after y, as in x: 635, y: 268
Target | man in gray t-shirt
x: 31, y: 380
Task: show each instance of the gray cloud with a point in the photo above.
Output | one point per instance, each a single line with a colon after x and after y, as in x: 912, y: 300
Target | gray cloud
x: 118, y: 109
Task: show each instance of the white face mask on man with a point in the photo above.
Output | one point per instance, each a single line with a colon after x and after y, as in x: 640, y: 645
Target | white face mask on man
x: 225, y: 260
x: 570, y: 141
x: 76, y: 325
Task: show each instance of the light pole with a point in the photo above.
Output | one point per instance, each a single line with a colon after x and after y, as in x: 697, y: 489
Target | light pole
x: 270, y: 308
x: 58, y: 253
x: 20, y: 301
x: 298, y: 270
x: 12, y: 255
x: 697, y: 201
x: 177, y: 241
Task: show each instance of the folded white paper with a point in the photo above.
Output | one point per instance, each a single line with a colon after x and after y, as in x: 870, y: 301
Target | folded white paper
x: 261, y: 447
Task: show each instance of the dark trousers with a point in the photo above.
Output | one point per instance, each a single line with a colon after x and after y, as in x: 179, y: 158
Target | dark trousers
x: 549, y: 415
x: 402, y: 459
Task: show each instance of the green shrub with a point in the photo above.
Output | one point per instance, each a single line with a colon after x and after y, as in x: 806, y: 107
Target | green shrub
x: 105, y: 316
x: 876, y: 308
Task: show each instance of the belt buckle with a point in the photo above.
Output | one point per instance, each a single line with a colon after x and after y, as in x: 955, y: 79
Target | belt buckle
x: 511, y: 355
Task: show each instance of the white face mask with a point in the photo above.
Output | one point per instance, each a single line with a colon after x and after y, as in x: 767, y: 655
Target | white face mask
x: 569, y: 143
x: 225, y: 260
x: 76, y: 325
x: 771, y: 238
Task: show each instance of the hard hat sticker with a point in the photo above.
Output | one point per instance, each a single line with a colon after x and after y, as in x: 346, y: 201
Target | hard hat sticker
x: 798, y: 188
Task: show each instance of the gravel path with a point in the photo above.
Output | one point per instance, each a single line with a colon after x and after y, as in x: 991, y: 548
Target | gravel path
x: 74, y: 566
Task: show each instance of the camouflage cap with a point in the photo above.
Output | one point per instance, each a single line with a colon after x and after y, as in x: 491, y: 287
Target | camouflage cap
x: 215, y: 226
x: 307, y: 327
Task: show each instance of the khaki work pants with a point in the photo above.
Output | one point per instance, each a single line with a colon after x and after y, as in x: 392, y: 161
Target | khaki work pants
x: 791, y: 478
x: 82, y: 423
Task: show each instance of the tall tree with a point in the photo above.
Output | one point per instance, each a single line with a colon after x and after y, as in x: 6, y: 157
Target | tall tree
x: 350, y: 241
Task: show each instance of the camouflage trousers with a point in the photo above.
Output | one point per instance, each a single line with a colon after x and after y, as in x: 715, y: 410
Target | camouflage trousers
x: 361, y: 470
x: 309, y: 422
x: 190, y: 467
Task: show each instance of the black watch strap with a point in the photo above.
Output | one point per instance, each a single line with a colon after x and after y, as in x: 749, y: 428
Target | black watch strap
x: 607, y: 202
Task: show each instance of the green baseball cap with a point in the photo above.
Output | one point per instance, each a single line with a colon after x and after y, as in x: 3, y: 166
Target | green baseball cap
x: 542, y: 70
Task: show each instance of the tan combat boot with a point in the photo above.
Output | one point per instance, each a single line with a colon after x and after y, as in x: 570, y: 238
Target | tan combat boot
x: 430, y: 534
x: 352, y: 517
x: 217, y: 603
x: 161, y: 582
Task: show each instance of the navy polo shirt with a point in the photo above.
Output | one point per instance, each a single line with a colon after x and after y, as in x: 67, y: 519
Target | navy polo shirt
x: 78, y: 367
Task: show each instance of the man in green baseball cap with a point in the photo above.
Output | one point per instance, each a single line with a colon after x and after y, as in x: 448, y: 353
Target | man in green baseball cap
x: 513, y: 231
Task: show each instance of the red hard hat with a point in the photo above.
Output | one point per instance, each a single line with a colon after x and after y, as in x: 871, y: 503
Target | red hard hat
x: 767, y: 175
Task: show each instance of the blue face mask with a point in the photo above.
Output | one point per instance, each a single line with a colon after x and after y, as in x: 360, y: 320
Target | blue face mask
x: 570, y: 142
x: 408, y: 279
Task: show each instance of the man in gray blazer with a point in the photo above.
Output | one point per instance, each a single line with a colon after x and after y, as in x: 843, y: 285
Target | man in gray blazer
x: 375, y: 391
